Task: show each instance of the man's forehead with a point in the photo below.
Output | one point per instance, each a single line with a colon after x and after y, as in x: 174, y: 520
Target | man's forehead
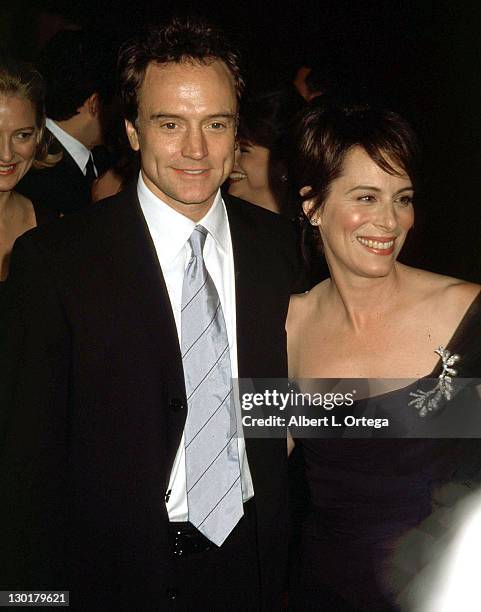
x: 190, y: 80
x: 188, y: 68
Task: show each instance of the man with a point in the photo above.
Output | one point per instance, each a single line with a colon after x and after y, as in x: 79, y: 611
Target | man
x: 116, y: 323
x: 77, y: 82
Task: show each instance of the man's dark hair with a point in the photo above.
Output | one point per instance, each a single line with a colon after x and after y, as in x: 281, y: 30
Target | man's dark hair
x: 181, y: 39
x: 75, y: 65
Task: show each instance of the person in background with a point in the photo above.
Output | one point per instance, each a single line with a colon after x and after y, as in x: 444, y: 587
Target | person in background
x: 260, y: 172
x: 78, y: 89
x: 374, y: 318
x: 22, y: 121
x: 125, y: 162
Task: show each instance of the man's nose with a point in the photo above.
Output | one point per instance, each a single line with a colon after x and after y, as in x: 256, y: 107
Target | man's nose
x: 195, y: 145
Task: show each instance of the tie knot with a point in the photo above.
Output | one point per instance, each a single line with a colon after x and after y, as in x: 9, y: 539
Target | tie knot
x: 197, y: 240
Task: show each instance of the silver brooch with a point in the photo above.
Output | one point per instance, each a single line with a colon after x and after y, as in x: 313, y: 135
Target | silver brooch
x: 429, y: 401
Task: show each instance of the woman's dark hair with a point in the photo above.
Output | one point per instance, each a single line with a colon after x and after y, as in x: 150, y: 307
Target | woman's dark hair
x: 325, y: 133
x: 266, y: 120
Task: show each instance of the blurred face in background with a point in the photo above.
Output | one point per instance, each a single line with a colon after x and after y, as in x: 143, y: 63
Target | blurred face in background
x: 19, y: 137
x: 250, y: 178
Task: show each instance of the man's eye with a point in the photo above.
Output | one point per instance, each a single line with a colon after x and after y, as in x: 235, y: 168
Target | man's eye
x: 217, y: 125
x: 366, y: 198
x: 170, y: 125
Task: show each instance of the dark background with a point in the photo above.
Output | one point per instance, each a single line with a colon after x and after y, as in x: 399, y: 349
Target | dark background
x: 420, y: 58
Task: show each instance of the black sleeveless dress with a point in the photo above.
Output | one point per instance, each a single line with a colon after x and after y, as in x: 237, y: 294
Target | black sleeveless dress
x: 43, y: 215
x: 368, y: 494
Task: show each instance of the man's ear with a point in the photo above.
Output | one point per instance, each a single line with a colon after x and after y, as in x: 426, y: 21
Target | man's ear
x: 132, y: 135
x: 93, y: 104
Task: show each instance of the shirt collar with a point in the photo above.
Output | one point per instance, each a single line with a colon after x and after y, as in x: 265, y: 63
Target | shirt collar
x: 75, y: 148
x: 172, y: 230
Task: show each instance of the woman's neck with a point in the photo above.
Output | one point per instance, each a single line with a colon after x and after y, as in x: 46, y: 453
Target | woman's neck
x: 7, y: 203
x: 365, y: 300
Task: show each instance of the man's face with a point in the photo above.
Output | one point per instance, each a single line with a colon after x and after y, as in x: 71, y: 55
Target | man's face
x: 185, y: 132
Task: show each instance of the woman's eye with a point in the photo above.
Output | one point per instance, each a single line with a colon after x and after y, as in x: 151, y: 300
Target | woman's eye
x: 23, y: 135
x: 405, y: 200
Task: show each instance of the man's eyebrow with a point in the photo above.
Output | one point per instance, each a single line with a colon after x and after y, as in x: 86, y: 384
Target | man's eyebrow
x: 220, y: 115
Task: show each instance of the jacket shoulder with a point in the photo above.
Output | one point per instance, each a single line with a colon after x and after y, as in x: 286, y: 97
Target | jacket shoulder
x: 97, y: 220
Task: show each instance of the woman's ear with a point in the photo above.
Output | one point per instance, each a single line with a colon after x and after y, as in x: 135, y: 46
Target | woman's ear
x: 308, y: 206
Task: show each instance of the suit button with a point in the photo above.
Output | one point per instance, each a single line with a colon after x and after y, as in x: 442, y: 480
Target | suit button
x: 176, y: 404
x: 171, y: 594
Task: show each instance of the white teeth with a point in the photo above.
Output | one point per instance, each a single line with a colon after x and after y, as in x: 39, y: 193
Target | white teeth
x: 237, y: 176
x: 374, y: 244
x: 193, y: 171
x: 6, y: 168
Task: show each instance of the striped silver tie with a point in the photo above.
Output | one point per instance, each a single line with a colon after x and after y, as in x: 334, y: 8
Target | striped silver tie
x: 214, y: 494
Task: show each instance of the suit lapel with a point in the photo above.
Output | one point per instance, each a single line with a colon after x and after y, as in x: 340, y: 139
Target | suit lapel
x: 256, y: 306
x: 141, y: 273
x: 145, y: 263
x: 244, y: 268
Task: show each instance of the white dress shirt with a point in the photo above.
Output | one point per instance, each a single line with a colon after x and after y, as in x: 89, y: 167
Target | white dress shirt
x: 170, y: 233
x: 76, y: 149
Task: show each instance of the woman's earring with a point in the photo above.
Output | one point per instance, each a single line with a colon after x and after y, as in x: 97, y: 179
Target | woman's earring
x: 314, y: 221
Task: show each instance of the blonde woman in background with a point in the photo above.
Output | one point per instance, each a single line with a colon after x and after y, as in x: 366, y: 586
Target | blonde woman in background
x: 22, y: 121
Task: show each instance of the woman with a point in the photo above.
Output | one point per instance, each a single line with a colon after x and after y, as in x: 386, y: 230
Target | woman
x: 22, y: 121
x: 260, y: 172
x: 356, y: 169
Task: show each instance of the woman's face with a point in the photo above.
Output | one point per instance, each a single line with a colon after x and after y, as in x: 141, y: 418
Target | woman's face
x: 365, y: 218
x: 18, y: 139
x: 249, y: 179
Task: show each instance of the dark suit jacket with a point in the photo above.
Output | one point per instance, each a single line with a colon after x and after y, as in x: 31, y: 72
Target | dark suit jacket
x: 62, y: 188
x: 93, y: 398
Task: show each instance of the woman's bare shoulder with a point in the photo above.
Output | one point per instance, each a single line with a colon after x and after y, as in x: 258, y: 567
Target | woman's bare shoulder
x: 451, y: 294
x: 301, y: 304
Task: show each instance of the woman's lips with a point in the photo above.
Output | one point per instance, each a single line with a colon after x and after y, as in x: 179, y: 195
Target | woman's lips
x: 6, y: 170
x: 377, y: 245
